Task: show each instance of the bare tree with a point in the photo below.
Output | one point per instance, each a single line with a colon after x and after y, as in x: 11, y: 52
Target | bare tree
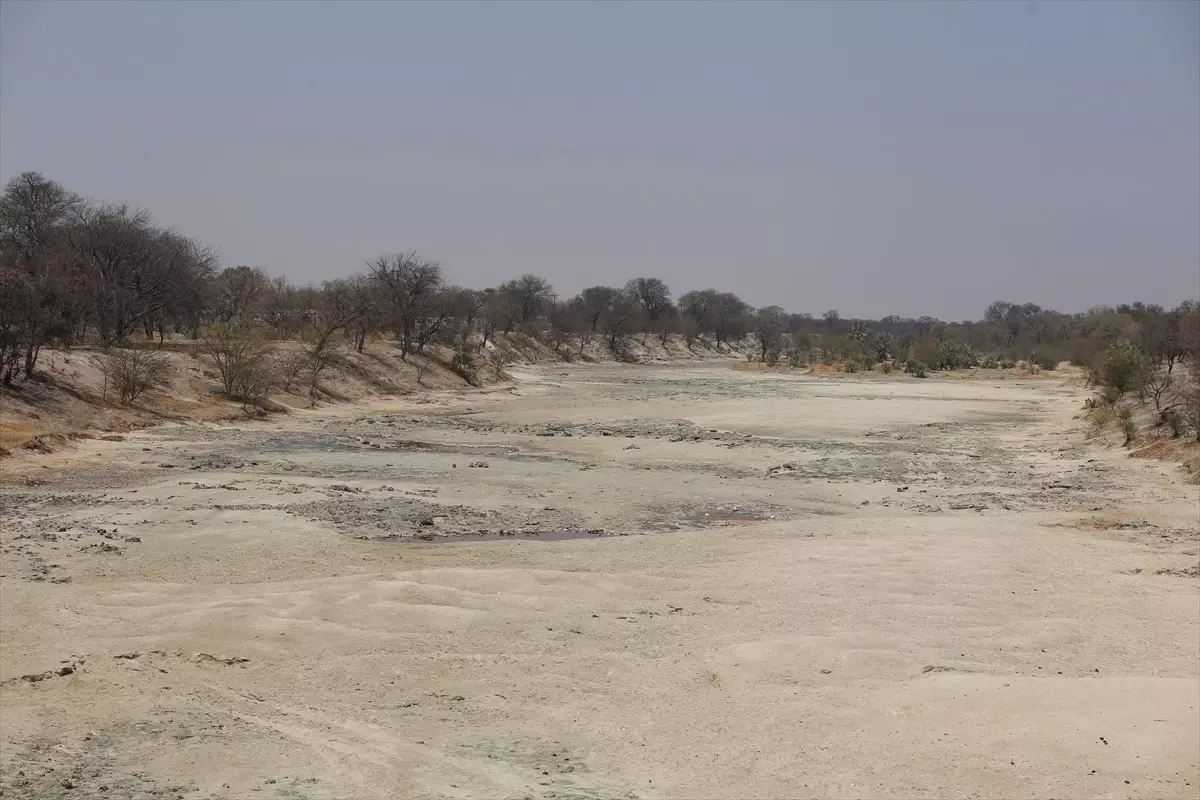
x: 282, y: 308
x: 16, y: 296
x: 133, y: 270
x: 770, y: 325
x: 39, y: 291
x: 653, y: 296
x: 412, y: 289
x: 530, y: 294
x: 238, y: 291
x: 618, y: 317
x: 592, y: 304
x: 565, y: 321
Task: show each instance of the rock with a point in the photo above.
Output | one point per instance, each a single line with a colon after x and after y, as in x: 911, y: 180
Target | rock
x: 102, y: 547
x: 228, y: 661
x: 133, y: 538
x: 64, y: 671
x: 129, y: 655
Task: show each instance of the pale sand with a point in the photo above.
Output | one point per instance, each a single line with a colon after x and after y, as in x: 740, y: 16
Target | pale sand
x: 995, y: 630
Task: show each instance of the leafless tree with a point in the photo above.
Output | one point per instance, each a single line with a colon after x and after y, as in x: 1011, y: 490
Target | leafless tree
x: 38, y: 290
x: 770, y: 325
x: 238, y: 290
x: 530, y: 295
x: 564, y: 321
x: 412, y: 289
x: 593, y: 302
x: 283, y: 308
x: 653, y: 296
x: 133, y: 270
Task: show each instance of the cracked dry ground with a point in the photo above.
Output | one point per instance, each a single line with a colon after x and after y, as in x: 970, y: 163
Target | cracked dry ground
x: 650, y: 582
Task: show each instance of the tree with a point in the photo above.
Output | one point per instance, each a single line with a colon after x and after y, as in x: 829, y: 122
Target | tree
x: 530, y: 294
x: 133, y: 270
x: 593, y: 302
x: 16, y: 296
x: 729, y: 315
x: 466, y: 307
x: 618, y: 317
x: 697, y: 308
x: 411, y: 288
x: 565, y: 321
x: 653, y: 296
x: 769, y: 324
x: 238, y: 291
x: 39, y: 291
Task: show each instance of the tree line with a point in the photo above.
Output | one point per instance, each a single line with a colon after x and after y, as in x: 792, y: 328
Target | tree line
x: 74, y: 271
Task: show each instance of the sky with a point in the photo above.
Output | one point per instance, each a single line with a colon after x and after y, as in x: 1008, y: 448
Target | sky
x: 875, y: 158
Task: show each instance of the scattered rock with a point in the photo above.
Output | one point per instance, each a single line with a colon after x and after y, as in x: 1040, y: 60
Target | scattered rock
x: 228, y: 661
x: 101, y: 547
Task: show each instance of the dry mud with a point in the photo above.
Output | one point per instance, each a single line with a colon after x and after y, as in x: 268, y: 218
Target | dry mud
x: 628, y: 582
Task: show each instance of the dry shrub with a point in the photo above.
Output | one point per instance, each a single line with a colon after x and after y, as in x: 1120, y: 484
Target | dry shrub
x: 242, y: 359
x: 1102, y: 414
x: 1189, y: 405
x: 132, y: 373
x: 500, y: 357
x: 291, y: 368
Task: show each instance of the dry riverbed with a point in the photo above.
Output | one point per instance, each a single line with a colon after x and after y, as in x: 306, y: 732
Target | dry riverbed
x: 625, y: 582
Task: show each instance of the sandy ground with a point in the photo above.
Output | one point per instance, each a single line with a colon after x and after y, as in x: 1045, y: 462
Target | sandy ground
x: 627, y: 582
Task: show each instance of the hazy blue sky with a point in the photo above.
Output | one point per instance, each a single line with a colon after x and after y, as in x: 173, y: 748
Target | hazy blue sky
x: 874, y: 158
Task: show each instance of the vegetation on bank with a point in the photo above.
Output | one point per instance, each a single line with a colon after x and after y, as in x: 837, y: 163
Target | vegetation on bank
x: 77, y: 272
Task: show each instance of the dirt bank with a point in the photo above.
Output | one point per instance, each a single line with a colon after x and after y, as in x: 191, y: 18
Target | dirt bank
x: 638, y: 581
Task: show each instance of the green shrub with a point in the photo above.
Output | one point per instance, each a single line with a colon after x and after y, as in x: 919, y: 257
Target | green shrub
x: 463, y: 363
x: 1123, y: 368
x: 1125, y: 415
x: 886, y: 368
x: 1102, y: 413
x: 954, y: 355
x: 988, y: 362
x: 916, y: 368
x: 1046, y: 357
x: 849, y: 365
x: 1176, y: 421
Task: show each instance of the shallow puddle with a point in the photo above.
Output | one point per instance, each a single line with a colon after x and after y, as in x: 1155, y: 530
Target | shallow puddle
x: 541, y: 536
x: 730, y: 514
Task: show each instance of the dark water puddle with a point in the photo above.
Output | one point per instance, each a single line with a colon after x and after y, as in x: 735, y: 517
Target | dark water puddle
x: 305, y: 442
x: 731, y: 514
x: 539, y: 536
x: 414, y: 445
